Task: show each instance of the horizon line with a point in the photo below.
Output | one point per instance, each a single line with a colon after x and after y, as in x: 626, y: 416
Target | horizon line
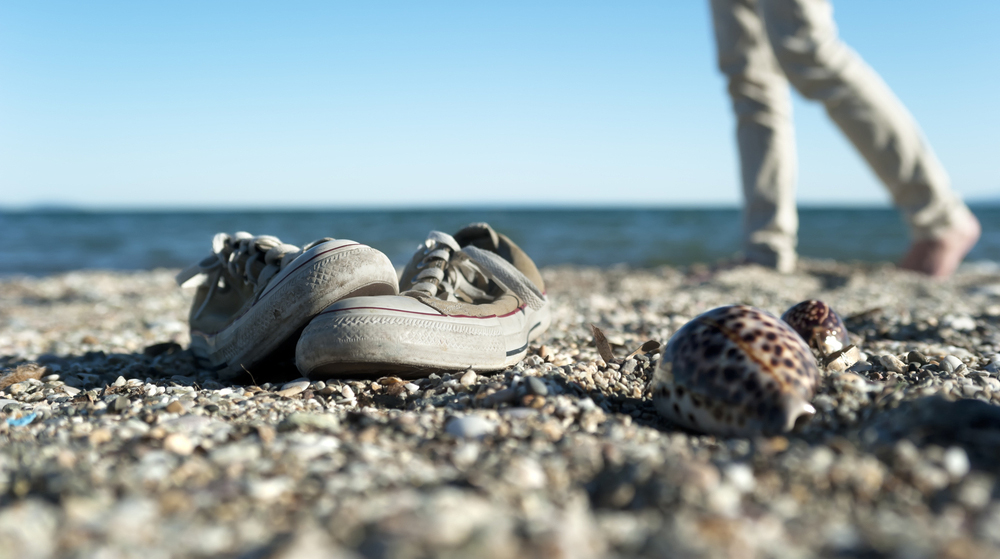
x: 539, y: 206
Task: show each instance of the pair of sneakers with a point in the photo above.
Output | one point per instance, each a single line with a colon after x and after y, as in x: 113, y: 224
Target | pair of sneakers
x: 472, y: 299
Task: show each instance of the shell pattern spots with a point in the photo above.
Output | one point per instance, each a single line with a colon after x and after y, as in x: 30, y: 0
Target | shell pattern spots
x: 818, y: 325
x: 735, y: 371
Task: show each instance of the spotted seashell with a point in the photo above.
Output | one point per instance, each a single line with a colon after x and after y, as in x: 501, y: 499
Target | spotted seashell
x: 818, y: 325
x: 735, y: 371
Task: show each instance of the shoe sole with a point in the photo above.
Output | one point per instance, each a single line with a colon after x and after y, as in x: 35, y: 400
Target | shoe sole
x: 328, y: 272
x: 365, y: 336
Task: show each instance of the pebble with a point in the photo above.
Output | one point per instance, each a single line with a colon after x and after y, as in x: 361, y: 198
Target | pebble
x: 121, y: 404
x: 537, y: 387
x: 950, y: 363
x: 179, y: 444
x: 175, y: 407
x: 470, y: 427
x: 321, y: 421
x: 629, y: 366
x: 295, y: 387
x: 956, y: 462
x: 468, y: 378
x: 892, y: 363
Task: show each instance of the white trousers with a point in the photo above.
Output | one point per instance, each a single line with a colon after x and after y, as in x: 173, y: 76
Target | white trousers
x: 763, y: 45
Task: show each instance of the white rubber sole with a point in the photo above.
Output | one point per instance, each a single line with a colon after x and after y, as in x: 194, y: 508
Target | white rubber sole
x: 321, y: 276
x: 399, y: 334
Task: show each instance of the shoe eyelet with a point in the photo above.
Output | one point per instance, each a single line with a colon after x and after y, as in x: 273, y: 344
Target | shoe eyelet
x: 413, y: 281
x: 421, y: 265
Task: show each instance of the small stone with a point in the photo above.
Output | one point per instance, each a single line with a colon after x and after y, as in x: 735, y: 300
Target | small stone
x: 916, y: 357
x: 629, y: 366
x: 533, y: 401
x: 99, y: 436
x: 175, y: 407
x: 950, y: 363
x: 537, y: 387
x: 504, y: 396
x: 329, y: 390
x: 411, y: 388
x: 740, y: 476
x: 861, y: 367
x: 179, y: 444
x: 544, y: 353
x: 321, y: 421
x: 266, y: 433
x: 956, y: 462
x: 120, y: 381
x: 292, y: 388
x: 892, y: 363
x: 346, y: 392
x: 843, y: 359
x: 468, y: 378
x: 962, y: 323
x: 121, y: 404
x: 89, y: 340
x: 470, y: 427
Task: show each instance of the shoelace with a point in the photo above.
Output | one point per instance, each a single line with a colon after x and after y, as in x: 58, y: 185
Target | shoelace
x: 242, y: 257
x: 453, y: 273
x: 447, y: 273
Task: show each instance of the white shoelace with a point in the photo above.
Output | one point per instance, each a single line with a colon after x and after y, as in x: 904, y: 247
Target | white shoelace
x: 250, y: 259
x: 452, y: 273
x: 444, y: 276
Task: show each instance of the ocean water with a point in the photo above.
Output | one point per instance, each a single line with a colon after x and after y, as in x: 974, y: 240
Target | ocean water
x: 46, y: 242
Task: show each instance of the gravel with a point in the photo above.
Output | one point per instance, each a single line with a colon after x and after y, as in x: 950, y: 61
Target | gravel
x: 122, y: 447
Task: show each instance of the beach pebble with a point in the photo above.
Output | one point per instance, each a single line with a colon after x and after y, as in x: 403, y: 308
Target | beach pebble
x: 468, y: 378
x: 179, y: 444
x: 956, y: 462
x: 470, y: 427
x: 175, y: 407
x: 537, y: 387
x: 962, y: 323
x: 292, y: 388
x: 842, y: 359
x: 321, y: 421
x: 121, y: 404
x: 892, y: 363
x: 916, y: 357
x: 950, y: 363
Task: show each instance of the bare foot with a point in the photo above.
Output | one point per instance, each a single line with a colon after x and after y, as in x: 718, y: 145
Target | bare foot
x: 940, y: 257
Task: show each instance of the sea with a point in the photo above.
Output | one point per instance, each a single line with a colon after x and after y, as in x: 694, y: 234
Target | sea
x: 41, y: 242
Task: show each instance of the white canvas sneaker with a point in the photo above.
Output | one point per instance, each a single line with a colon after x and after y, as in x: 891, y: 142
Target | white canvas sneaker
x: 257, y: 292
x: 474, y: 299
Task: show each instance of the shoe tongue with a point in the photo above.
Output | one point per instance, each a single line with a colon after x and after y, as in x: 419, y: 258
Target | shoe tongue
x: 480, y: 235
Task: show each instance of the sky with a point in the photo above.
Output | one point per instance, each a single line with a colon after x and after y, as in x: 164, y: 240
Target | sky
x: 246, y: 104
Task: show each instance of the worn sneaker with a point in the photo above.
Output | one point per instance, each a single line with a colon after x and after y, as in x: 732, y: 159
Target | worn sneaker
x: 256, y: 292
x: 474, y: 299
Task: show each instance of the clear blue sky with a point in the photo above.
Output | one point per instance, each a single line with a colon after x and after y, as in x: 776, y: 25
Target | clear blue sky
x: 203, y: 104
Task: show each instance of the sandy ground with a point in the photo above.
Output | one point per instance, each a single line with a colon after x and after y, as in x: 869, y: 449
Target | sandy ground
x: 123, y: 448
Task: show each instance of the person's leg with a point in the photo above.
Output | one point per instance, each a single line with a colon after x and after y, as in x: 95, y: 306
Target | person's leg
x: 762, y: 103
x: 804, y: 38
